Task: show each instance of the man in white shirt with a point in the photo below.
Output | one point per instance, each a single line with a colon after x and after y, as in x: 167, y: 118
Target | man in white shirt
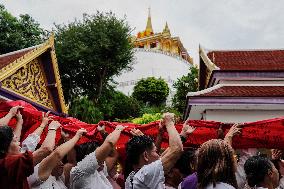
x: 149, y: 168
x: 91, y: 172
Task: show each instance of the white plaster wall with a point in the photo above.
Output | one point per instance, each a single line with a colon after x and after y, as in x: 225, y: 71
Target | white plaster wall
x: 241, y: 116
x: 152, y: 64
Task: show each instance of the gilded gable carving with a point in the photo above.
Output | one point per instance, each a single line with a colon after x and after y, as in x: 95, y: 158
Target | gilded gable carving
x: 29, y: 81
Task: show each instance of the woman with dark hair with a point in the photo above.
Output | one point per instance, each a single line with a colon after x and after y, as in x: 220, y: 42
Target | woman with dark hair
x: 216, y: 165
x: 261, y: 173
x: 15, y: 166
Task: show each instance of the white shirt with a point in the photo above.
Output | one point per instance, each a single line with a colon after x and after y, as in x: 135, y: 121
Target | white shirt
x: 240, y: 173
x: 86, y: 175
x: 220, y: 185
x: 149, y: 176
x: 50, y: 183
x: 30, y: 143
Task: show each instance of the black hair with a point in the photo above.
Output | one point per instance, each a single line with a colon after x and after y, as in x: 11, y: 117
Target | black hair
x: 256, y: 167
x: 6, y: 137
x: 186, y: 161
x: 134, y: 148
x: 85, y: 149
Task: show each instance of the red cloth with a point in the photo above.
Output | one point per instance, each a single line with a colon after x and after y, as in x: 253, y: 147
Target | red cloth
x: 15, y: 169
x: 260, y: 134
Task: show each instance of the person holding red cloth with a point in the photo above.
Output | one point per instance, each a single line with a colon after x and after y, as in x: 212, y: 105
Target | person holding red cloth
x: 15, y: 166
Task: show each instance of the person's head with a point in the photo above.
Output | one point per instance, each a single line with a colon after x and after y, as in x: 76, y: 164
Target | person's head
x: 85, y: 149
x: 260, y: 171
x: 58, y: 170
x: 141, y: 150
x: 216, y: 163
x: 184, y: 166
x: 8, y: 142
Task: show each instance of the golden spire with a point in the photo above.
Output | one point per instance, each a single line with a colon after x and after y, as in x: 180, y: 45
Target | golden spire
x: 166, y: 30
x: 149, y: 28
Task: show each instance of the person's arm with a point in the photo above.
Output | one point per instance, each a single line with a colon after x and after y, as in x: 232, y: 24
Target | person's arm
x: 31, y: 142
x: 48, y: 163
x: 44, y: 123
x: 175, y: 145
x: 186, y: 131
x: 13, y: 111
x: 159, y: 139
x: 112, y: 160
x: 93, y: 160
x: 48, y: 143
x: 233, y: 131
x: 19, y: 126
x: 107, y: 147
x: 102, y: 131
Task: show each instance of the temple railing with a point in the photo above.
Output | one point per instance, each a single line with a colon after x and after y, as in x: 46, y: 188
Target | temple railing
x: 164, y: 53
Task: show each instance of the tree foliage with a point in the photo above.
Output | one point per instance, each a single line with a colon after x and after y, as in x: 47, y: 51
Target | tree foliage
x: 85, y: 110
x: 18, y: 33
x: 151, y: 91
x: 185, y: 84
x: 116, y: 105
x: 90, y: 52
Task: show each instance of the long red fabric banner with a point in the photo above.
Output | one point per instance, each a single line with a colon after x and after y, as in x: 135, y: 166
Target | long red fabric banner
x: 260, y: 134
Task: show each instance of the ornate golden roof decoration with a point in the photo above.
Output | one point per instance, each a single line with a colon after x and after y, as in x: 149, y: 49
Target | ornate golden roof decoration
x: 38, y: 50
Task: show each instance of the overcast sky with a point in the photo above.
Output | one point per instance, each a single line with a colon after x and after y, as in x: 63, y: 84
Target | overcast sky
x: 215, y: 24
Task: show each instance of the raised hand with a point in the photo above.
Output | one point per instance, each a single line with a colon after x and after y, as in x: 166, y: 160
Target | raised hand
x: 136, y: 132
x: 236, y: 129
x: 187, y: 129
x: 19, y: 116
x: 80, y: 132
x: 45, y: 118
x: 54, y: 125
x: 120, y: 127
x: 101, y: 128
x: 276, y: 154
x: 168, y: 118
x: 14, y: 110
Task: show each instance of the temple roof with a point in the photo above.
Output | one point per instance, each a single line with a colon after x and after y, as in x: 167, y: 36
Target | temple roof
x: 8, y: 58
x: 240, y: 91
x: 32, y: 75
x: 248, y: 59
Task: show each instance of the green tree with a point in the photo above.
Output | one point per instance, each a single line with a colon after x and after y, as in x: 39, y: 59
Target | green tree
x: 85, y: 110
x: 90, y: 52
x: 151, y: 91
x: 116, y: 105
x: 18, y: 33
x: 185, y: 84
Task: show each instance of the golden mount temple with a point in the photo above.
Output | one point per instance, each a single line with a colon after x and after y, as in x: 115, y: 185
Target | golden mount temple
x: 163, y: 41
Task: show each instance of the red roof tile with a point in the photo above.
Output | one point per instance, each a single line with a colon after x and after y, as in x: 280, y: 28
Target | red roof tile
x: 269, y: 60
x: 8, y: 58
x: 246, y: 91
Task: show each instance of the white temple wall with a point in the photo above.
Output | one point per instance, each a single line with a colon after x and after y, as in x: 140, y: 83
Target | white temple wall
x: 241, y: 116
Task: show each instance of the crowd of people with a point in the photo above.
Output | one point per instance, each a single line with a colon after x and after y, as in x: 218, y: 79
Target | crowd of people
x: 93, y: 165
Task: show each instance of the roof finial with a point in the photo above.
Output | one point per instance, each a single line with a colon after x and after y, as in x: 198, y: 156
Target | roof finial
x: 166, y: 30
x: 149, y: 28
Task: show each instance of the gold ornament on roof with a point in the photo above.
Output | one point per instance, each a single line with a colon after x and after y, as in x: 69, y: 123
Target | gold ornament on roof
x: 162, y: 41
x: 29, y: 81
